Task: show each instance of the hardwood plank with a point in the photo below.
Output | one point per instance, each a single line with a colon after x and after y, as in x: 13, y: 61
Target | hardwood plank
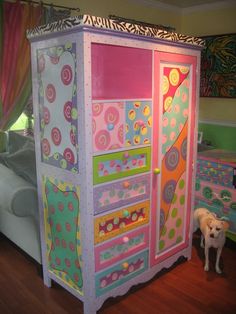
x: 186, y: 288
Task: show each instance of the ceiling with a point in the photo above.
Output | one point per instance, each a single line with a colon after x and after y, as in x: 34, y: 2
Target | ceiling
x: 184, y: 4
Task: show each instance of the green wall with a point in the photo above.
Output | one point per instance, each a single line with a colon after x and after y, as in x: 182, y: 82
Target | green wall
x: 220, y: 136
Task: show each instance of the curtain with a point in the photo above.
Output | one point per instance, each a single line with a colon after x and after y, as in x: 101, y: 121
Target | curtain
x: 15, y: 79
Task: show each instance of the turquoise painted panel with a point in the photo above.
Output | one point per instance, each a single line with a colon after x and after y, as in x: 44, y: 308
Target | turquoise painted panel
x: 138, y: 116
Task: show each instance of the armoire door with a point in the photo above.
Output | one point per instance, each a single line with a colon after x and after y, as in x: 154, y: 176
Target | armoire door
x: 172, y: 156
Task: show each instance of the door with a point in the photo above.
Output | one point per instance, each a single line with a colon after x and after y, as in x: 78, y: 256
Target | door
x: 172, y: 156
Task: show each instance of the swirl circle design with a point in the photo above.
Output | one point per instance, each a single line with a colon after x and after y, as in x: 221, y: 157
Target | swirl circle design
x: 184, y: 70
x: 66, y: 75
x: 67, y: 110
x: 102, y: 139
x: 174, y: 77
x: 165, y: 85
x: 183, y: 149
x: 120, y: 133
x: 162, y: 218
x: 41, y: 64
x: 172, y: 159
x: 169, y: 191
x: 207, y: 192
x: 69, y: 155
x: 50, y: 93
x: 46, y: 115
x: 46, y: 147
x: 168, y: 103
x: 94, y: 126
x: 97, y: 109
x: 72, y: 137
x: 111, y: 116
x: 56, y: 136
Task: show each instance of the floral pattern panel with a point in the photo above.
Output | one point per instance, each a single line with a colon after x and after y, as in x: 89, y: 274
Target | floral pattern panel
x: 58, y: 106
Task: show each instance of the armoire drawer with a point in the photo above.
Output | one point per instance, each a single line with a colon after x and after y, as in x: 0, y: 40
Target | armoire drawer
x: 118, y: 194
x: 121, y: 221
x: 120, y: 273
x: 215, y: 172
x: 121, y: 164
x: 115, y: 250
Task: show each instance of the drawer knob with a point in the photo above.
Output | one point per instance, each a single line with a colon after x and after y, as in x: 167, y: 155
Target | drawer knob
x: 110, y: 126
x: 125, y: 265
x: 126, y: 155
x: 156, y: 171
x: 125, y: 239
x: 140, y: 123
x: 126, y: 184
x: 125, y: 213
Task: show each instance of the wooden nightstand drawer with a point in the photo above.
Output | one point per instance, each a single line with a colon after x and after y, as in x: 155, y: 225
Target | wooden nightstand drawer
x: 118, y: 194
x: 115, y: 250
x: 122, y: 164
x: 121, y: 221
x: 120, y: 273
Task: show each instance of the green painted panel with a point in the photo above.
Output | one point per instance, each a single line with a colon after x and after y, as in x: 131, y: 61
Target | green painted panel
x: 121, y: 164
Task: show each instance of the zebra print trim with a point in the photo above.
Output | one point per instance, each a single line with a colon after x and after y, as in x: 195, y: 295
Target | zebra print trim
x: 99, y: 22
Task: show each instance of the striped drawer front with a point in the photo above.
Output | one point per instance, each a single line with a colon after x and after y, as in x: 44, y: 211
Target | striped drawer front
x: 120, y: 273
x: 118, y: 194
x: 115, y: 250
x: 121, y: 164
x: 121, y: 221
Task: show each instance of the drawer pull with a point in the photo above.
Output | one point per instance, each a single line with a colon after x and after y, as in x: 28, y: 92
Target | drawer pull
x: 110, y: 126
x: 126, y: 184
x: 156, y: 171
x: 125, y: 265
x: 140, y: 123
x: 125, y: 239
x: 126, y: 155
x: 125, y: 213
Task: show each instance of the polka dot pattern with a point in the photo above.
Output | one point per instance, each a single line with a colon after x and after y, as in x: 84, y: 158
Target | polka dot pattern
x: 172, y: 233
x: 63, y: 236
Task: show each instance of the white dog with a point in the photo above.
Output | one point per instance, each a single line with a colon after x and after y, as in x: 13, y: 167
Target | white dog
x: 213, y: 231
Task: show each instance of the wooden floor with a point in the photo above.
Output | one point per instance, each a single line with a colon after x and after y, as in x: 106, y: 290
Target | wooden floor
x: 186, y: 288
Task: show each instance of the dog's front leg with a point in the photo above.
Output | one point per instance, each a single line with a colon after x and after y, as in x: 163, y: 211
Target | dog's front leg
x: 218, y: 270
x: 206, y: 267
x: 202, y: 241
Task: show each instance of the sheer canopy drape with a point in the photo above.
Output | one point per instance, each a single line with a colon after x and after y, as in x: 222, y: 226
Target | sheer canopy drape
x: 15, y: 79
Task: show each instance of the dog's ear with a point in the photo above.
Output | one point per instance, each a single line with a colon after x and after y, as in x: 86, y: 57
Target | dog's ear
x: 209, y: 221
x: 225, y: 225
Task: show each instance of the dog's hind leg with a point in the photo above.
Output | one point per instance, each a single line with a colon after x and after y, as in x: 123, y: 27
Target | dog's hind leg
x: 202, y: 241
x: 206, y: 267
x: 218, y: 270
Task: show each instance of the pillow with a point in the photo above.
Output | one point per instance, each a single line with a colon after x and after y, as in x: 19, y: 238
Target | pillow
x: 22, y: 162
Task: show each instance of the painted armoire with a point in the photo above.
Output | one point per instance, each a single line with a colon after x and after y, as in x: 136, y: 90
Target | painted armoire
x: 115, y: 108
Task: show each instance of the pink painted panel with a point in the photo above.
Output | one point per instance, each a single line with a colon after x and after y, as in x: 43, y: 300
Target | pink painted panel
x: 113, y: 251
x: 121, y: 72
x: 108, y: 126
